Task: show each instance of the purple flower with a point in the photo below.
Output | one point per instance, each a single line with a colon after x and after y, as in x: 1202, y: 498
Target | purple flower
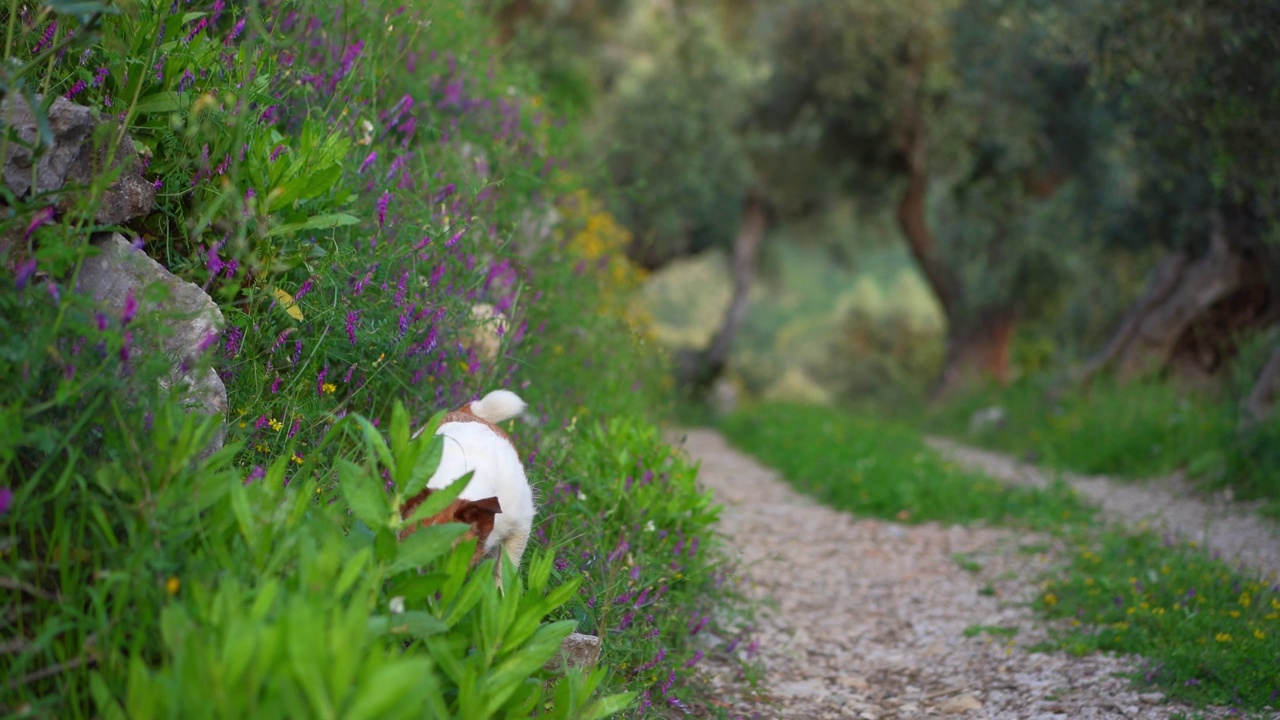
x: 76, y: 88
x: 235, y: 337
x: 320, y: 379
x: 257, y: 474
x: 46, y: 39
x: 352, y: 318
x: 6, y: 499
x: 130, y: 308
x: 235, y: 32
x: 382, y: 207
x: 275, y: 152
x: 368, y: 161
x: 100, y: 76
x: 306, y: 288
x: 444, y: 193
x: 275, y: 386
x: 43, y: 216
x: 297, y: 352
x: 26, y: 269
x: 454, y: 240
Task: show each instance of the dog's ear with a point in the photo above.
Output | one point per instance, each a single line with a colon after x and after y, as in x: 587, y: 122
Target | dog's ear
x: 477, y: 511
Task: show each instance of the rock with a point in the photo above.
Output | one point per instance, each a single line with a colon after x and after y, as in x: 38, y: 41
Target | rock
x: 986, y: 419
x: 188, y: 313
x: 76, y: 158
x: 960, y: 704
x: 1154, y: 698
x: 576, y: 651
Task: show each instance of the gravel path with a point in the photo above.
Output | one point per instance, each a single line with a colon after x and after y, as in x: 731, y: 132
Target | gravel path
x: 867, y: 619
x: 1174, y: 506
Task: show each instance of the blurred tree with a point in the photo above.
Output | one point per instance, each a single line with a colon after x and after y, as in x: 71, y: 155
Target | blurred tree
x: 1198, y: 84
x: 985, y: 146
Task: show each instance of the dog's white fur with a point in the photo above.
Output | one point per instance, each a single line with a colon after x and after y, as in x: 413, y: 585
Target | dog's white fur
x: 476, y: 446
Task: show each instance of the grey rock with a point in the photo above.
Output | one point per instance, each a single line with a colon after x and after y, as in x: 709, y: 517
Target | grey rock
x: 577, y: 651
x: 78, y: 156
x: 189, y: 315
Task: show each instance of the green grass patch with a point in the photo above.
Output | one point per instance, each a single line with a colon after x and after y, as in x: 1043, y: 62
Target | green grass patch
x: 885, y: 470
x: 1212, y: 635
x: 992, y: 630
x: 1135, y: 430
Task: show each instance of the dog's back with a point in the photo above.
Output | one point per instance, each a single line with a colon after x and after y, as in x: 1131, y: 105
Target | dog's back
x: 473, y: 442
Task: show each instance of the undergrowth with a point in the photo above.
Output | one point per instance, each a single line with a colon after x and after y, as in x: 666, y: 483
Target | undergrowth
x: 389, y: 224
x: 881, y: 469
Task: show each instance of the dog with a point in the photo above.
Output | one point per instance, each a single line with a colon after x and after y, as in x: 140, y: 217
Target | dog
x: 497, y: 502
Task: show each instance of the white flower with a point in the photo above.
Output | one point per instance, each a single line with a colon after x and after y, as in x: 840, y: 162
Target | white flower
x: 582, y: 496
x: 648, y: 527
x: 396, y: 605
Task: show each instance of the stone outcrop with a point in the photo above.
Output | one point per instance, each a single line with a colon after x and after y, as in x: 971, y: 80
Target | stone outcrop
x: 78, y: 155
x: 190, y: 318
x: 577, y: 651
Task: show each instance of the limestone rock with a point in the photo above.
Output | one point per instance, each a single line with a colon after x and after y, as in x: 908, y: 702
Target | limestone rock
x: 577, y: 651
x: 75, y: 159
x: 191, y: 318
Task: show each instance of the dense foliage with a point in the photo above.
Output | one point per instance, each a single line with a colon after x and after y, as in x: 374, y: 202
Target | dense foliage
x: 382, y: 211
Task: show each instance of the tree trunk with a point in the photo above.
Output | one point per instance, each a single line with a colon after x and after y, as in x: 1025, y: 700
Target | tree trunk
x: 1179, y: 299
x: 977, y: 353
x: 699, y: 370
x: 1266, y: 391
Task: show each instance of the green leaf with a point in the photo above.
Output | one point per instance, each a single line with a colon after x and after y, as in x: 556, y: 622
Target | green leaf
x: 318, y: 222
x: 609, y: 706
x: 425, y: 546
x: 161, y: 102
x: 415, y: 623
x: 364, y: 494
x: 426, y: 462
x: 405, y: 682
x: 439, y: 499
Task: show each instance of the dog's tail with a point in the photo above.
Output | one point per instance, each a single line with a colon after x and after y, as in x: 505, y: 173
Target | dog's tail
x: 497, y: 406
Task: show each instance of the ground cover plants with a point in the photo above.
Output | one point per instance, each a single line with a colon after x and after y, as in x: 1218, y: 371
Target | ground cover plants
x: 390, y: 225
x: 1139, y: 430
x: 1207, y: 632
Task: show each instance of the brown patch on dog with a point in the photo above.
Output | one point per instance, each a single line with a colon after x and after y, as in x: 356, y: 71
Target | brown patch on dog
x: 476, y: 513
x: 464, y: 414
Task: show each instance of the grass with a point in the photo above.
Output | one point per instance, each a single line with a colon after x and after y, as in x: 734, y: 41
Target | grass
x: 1136, y: 430
x: 1209, y: 634
x: 884, y: 470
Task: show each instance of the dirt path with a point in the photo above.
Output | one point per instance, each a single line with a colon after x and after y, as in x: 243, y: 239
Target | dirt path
x: 1233, y: 531
x: 867, y: 619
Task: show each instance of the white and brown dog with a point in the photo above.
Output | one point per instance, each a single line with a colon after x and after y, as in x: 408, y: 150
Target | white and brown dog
x: 497, y: 502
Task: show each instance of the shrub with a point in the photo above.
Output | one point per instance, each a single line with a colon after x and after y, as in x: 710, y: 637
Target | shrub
x: 350, y: 184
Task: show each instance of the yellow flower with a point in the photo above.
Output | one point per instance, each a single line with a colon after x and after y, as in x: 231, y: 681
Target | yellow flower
x: 1234, y: 613
x: 296, y: 458
x: 1222, y: 637
x: 1259, y: 634
x: 286, y: 301
x: 172, y: 585
x: 1050, y: 599
x: 330, y: 388
x: 275, y: 424
x: 1245, y: 599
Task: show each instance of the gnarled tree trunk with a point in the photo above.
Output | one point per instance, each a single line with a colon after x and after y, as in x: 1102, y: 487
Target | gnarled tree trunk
x: 698, y: 370
x: 1261, y: 402
x: 1185, y: 319
x: 977, y: 352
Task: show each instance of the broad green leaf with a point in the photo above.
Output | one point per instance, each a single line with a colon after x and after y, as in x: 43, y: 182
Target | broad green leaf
x: 317, y: 222
x: 439, y: 499
x: 431, y: 450
x: 160, y: 102
x: 364, y: 494
x: 425, y: 546
x: 391, y: 687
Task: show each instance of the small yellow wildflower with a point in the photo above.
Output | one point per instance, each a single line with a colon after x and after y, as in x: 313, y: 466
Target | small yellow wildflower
x: 275, y: 424
x: 261, y: 448
x: 330, y: 388
x: 172, y: 585
x: 1245, y: 599
x: 1234, y: 613
x: 1259, y: 634
x: 1050, y: 599
x: 296, y: 458
x: 1222, y: 637
x: 319, y: 489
